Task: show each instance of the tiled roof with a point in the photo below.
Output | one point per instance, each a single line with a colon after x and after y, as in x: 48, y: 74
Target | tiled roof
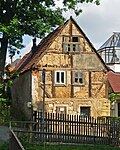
x: 22, y: 61
x: 30, y: 59
x: 114, y: 80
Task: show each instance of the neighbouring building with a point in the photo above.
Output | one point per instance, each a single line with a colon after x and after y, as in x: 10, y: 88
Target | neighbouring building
x: 75, y: 79
x: 114, y: 92
x: 110, y: 53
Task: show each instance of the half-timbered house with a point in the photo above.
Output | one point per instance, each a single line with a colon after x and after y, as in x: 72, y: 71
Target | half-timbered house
x: 75, y: 77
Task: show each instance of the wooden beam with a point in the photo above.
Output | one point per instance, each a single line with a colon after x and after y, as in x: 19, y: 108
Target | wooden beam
x: 53, y: 87
x: 99, y: 88
x: 46, y: 93
x: 90, y: 86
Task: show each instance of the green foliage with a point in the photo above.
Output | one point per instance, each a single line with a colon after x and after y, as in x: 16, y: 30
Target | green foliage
x: 5, y: 96
x: 30, y: 17
x: 35, y: 18
x: 113, y: 96
x: 4, y: 146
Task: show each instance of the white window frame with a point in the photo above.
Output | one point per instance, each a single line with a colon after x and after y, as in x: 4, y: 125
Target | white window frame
x: 60, y: 77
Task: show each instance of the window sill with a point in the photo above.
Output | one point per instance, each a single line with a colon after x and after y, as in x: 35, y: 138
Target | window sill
x: 60, y: 85
x: 72, y: 52
x: 75, y: 84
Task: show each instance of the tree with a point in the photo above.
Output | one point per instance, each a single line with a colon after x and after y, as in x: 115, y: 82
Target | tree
x: 31, y: 17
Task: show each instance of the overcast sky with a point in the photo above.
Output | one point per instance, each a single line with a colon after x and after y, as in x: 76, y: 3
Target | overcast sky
x: 97, y: 22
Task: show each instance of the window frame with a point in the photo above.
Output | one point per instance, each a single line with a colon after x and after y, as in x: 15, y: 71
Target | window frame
x: 60, y: 77
x: 75, y: 37
x: 81, y: 107
x: 71, y: 46
x: 79, y: 78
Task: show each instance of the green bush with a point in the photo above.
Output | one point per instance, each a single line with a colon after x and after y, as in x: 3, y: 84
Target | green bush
x: 4, y: 146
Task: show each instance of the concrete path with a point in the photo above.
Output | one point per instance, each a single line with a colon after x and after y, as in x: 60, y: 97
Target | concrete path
x: 4, y: 134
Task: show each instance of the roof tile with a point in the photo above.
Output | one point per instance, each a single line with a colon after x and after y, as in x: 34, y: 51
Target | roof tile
x: 114, y: 80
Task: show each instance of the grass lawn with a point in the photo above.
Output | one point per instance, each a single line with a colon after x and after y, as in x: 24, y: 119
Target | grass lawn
x: 63, y: 147
x: 5, y: 146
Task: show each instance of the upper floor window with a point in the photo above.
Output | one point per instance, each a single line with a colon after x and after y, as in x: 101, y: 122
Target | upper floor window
x: 66, y: 39
x: 60, y: 77
x: 78, y: 78
x: 71, y: 44
x: 75, y: 39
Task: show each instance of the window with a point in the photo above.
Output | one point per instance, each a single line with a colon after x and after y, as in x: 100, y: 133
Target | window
x: 72, y: 45
x: 79, y: 77
x: 85, y: 111
x: 59, y: 77
x: 66, y: 47
x: 66, y: 39
x: 61, y: 109
x: 75, y: 39
x: 76, y: 47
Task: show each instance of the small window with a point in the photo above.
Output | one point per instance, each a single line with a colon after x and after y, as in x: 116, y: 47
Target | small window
x: 85, y: 111
x: 74, y: 39
x: 76, y: 47
x: 66, y: 47
x: 66, y: 39
x: 72, y: 46
x: 59, y: 77
x: 61, y: 109
x: 79, y: 78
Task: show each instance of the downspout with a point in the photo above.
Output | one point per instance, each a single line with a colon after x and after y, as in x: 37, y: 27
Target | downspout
x: 31, y: 113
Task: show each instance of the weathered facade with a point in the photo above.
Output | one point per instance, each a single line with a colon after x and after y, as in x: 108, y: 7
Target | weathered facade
x: 75, y: 80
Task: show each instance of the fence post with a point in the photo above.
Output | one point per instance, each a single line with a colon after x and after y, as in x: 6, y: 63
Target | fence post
x: 94, y: 129
x: 34, y: 119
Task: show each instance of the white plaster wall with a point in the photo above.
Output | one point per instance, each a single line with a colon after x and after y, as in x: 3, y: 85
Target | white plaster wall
x: 115, y: 67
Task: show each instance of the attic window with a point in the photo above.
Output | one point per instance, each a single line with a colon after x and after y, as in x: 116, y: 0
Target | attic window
x: 74, y: 39
x: 71, y: 44
x: 66, y: 39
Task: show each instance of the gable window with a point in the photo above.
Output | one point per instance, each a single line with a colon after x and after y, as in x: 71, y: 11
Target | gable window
x: 74, y: 39
x: 78, y: 77
x: 66, y: 39
x: 59, y: 77
x: 76, y: 47
x: 71, y: 44
x: 66, y: 47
